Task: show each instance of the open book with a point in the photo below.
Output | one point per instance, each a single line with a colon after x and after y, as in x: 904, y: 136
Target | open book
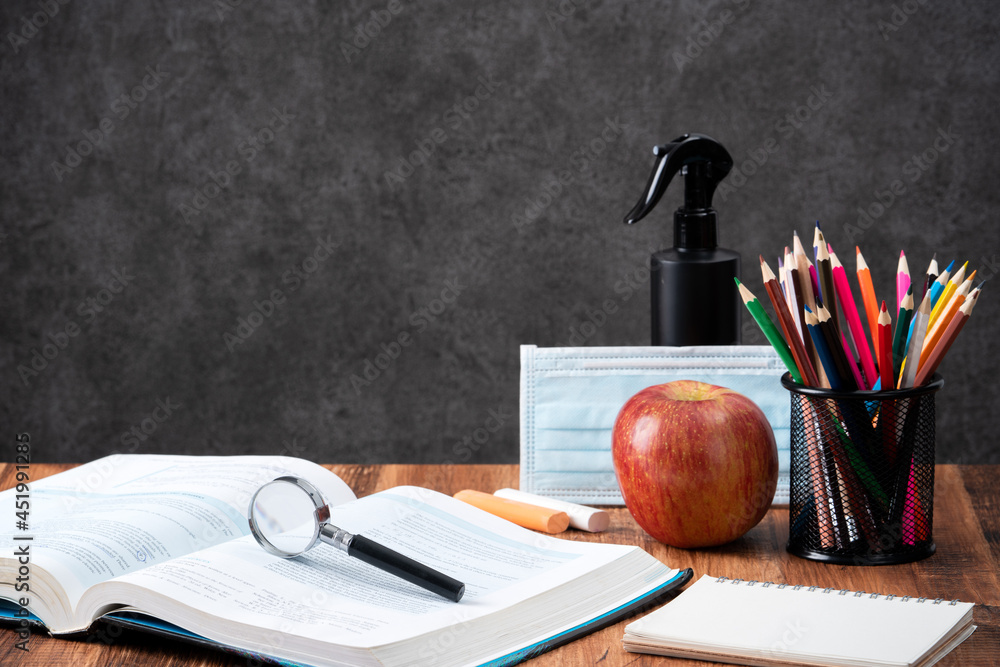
x: 166, y: 539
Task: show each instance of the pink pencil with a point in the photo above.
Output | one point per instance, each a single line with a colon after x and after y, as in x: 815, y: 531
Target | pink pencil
x: 902, y: 279
x: 851, y: 362
x: 853, y: 321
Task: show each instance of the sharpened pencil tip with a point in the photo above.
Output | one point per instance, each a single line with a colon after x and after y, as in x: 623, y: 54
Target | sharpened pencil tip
x: 884, y: 318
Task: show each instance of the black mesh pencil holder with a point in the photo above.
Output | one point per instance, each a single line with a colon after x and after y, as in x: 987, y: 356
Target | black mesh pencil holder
x: 862, y: 474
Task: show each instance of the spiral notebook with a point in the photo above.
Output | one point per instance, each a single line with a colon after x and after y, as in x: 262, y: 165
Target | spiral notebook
x: 760, y: 623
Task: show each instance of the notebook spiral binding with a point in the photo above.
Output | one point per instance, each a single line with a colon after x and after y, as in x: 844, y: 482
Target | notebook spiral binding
x: 873, y: 596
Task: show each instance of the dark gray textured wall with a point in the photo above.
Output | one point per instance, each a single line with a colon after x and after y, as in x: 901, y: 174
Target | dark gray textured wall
x: 397, y: 184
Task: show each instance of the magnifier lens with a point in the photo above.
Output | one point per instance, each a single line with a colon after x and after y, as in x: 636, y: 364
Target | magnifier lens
x: 284, y: 515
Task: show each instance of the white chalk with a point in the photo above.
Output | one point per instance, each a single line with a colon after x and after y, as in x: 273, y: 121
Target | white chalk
x: 581, y: 517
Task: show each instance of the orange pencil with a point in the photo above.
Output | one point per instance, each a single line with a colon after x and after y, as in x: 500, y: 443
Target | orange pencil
x: 799, y: 353
x: 947, y: 338
x: 868, y: 296
x: 935, y: 330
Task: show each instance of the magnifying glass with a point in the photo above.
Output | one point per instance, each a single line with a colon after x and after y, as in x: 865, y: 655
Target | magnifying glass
x: 288, y: 516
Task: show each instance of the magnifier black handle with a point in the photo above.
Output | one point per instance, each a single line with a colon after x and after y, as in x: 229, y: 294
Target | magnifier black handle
x: 403, y: 567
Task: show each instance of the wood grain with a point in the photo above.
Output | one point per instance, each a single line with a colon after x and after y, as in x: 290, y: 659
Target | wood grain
x: 965, y: 567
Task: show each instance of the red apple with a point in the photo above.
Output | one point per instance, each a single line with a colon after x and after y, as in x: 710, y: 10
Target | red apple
x: 696, y: 463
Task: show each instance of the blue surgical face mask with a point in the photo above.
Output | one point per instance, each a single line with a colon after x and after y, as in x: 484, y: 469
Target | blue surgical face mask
x: 571, y: 396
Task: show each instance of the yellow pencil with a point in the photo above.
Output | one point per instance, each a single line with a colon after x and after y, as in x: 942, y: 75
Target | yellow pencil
x: 949, y: 289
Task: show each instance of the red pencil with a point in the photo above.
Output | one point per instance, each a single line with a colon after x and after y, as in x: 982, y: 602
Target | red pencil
x: 885, y: 348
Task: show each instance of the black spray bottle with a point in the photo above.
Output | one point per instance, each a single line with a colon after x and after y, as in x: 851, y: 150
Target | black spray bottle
x: 694, y: 296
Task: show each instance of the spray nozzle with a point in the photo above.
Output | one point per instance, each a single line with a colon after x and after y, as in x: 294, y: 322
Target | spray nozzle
x: 704, y: 163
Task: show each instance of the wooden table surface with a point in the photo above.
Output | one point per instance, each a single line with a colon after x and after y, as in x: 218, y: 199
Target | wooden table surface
x: 966, y: 566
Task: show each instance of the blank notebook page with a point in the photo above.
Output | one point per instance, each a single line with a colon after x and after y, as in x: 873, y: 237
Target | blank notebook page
x: 780, y: 623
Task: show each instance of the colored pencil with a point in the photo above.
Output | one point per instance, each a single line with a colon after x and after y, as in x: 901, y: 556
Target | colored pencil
x: 823, y: 350
x: 912, y: 362
x: 791, y: 294
x: 770, y: 331
x: 803, y: 265
x: 935, y: 329
x: 928, y: 368
x: 807, y: 299
x: 938, y: 286
x: 824, y: 275
x: 814, y: 281
x: 944, y: 303
x: 932, y: 274
x: 850, y: 309
x: 914, y: 520
x: 901, y: 336
x: 868, y: 297
x: 949, y: 289
x: 885, y: 364
x: 887, y: 409
x: 902, y: 278
x: 835, y: 341
x: 819, y: 475
x: 781, y: 276
x: 852, y: 364
x: 802, y: 361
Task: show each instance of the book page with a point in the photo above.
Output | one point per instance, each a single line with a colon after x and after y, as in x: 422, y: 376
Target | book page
x: 124, y: 513
x: 326, y: 596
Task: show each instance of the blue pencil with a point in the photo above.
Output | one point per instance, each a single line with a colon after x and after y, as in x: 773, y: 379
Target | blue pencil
x: 936, y: 288
x: 825, y: 354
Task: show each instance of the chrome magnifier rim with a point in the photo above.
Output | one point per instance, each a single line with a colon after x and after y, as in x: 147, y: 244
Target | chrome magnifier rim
x: 321, y: 515
x: 355, y: 546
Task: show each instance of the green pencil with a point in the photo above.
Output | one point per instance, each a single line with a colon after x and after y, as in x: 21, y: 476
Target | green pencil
x: 767, y: 326
x: 899, y: 335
